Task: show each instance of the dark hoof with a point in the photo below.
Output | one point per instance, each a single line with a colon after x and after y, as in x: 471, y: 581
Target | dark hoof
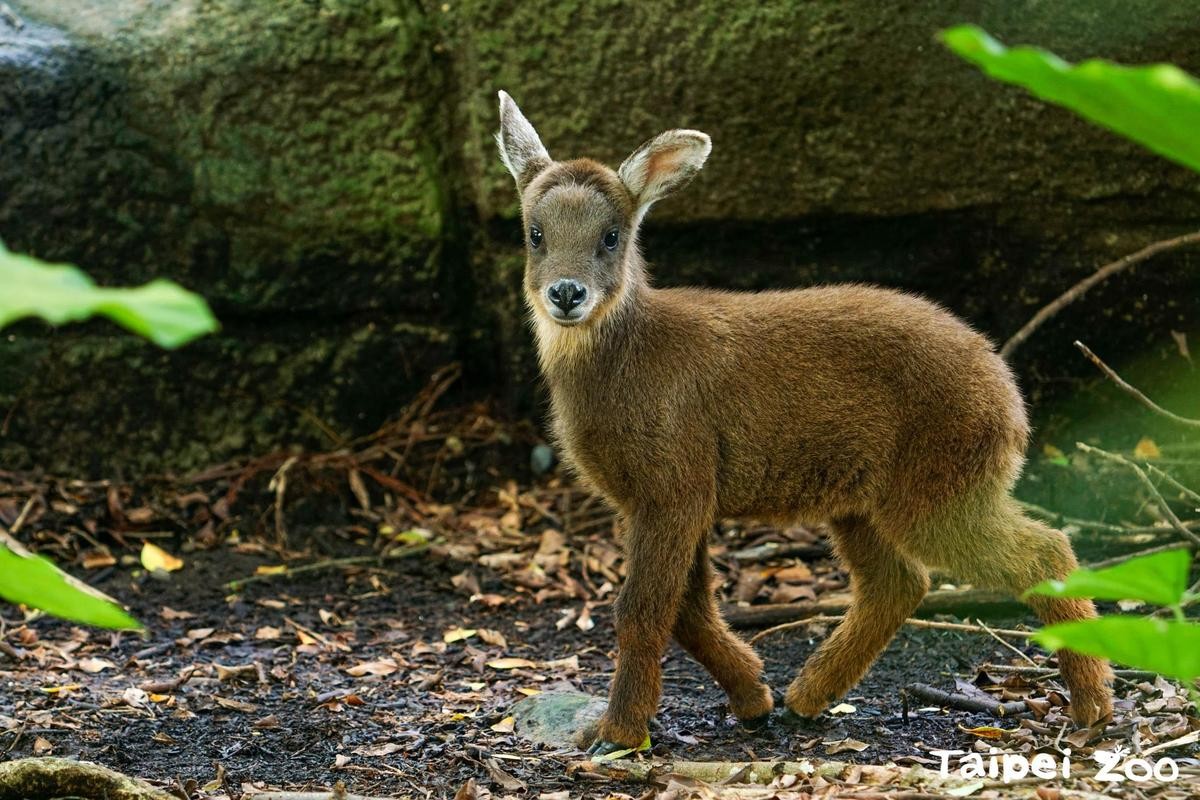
x: 602, y: 747
x: 755, y: 724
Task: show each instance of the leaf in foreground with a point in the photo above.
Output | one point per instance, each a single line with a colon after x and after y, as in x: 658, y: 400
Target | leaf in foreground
x: 1160, y: 578
x: 36, y: 582
x: 1170, y: 648
x: 161, y: 311
x: 1157, y: 105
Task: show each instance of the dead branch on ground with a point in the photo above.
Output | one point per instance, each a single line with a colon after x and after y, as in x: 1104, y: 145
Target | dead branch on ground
x: 963, y: 702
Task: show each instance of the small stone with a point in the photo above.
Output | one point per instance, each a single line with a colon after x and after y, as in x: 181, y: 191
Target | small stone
x: 541, y: 459
x: 557, y: 718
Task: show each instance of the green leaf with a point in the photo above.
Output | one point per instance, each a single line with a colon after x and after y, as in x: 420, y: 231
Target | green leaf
x: 1161, y: 578
x: 36, y: 582
x: 1167, y: 647
x: 161, y: 311
x: 1157, y: 105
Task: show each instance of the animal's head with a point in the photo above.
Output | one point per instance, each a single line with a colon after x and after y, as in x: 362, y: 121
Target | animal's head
x: 581, y: 218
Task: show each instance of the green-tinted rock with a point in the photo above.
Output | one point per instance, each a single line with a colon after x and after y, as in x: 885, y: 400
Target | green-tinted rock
x: 557, y: 719
x: 278, y: 155
x: 843, y: 107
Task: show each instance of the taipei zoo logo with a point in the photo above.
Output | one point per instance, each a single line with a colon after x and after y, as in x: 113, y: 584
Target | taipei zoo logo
x: 1114, y: 766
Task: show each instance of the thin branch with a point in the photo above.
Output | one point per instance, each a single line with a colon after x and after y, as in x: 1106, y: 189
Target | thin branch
x: 1048, y: 672
x: 1176, y: 485
x: 332, y: 563
x: 996, y: 636
x: 1149, y: 484
x: 1133, y: 391
x: 912, y: 623
x: 1078, y: 290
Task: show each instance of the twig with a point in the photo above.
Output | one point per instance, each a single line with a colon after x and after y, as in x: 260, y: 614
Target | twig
x: 963, y: 702
x: 1077, y: 291
x: 912, y: 623
x: 1176, y: 485
x: 1133, y: 391
x: 1046, y: 672
x: 20, y: 520
x: 958, y: 601
x: 1060, y: 520
x: 996, y: 636
x: 332, y: 563
x: 1149, y: 484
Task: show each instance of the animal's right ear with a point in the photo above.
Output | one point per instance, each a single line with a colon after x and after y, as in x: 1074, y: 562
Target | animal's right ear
x: 520, y: 148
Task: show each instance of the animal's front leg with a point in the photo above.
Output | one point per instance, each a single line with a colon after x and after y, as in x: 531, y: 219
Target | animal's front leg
x: 659, y: 549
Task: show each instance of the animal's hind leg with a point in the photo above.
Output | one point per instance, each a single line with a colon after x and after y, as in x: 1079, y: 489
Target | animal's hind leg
x: 887, y: 587
x: 702, y: 631
x: 1014, y: 553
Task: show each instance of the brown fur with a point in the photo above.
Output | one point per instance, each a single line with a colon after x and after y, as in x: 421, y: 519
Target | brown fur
x: 872, y: 409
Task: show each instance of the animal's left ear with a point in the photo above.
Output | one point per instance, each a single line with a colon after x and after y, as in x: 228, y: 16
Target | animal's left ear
x: 663, y: 164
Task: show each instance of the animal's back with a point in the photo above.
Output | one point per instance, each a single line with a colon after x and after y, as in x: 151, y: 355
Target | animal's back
x: 841, y: 399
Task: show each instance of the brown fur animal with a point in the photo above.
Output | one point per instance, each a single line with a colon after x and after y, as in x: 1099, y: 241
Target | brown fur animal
x: 871, y: 409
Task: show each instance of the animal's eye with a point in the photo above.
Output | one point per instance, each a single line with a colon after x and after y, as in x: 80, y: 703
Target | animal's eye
x: 535, y: 237
x: 611, y: 238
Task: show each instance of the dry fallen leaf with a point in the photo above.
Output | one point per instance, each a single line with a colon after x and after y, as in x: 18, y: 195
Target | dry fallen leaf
x: 170, y: 614
x: 235, y: 705
x: 458, y: 634
x: 492, y: 637
x: 384, y: 666
x: 985, y: 731
x: 505, y: 725
x: 511, y: 663
x: 271, y: 569
x: 155, y: 558
x: 94, y: 665
x: 844, y: 746
x: 267, y: 632
x: 385, y: 749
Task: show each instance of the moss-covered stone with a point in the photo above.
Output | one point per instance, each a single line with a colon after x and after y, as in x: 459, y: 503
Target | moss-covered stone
x: 89, y: 400
x: 280, y: 155
x: 817, y: 107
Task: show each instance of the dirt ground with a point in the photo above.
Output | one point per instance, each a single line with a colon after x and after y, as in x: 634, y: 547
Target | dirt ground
x: 397, y: 676
x: 297, y: 719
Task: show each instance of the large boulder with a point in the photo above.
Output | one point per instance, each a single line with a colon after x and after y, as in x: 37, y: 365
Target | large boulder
x: 323, y: 171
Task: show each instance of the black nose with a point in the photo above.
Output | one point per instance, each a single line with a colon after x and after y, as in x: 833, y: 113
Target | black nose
x: 566, y: 294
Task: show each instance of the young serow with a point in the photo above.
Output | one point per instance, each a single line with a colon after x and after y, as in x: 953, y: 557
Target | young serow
x: 873, y: 410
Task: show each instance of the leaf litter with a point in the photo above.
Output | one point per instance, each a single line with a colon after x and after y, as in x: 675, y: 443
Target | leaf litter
x: 398, y: 676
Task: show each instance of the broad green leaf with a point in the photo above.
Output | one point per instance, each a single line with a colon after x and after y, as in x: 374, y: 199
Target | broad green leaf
x: 1168, y: 647
x: 1160, y: 578
x: 161, y: 311
x: 36, y: 582
x: 1156, y: 105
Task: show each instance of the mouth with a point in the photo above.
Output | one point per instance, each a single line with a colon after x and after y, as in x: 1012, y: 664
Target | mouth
x: 567, y: 318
